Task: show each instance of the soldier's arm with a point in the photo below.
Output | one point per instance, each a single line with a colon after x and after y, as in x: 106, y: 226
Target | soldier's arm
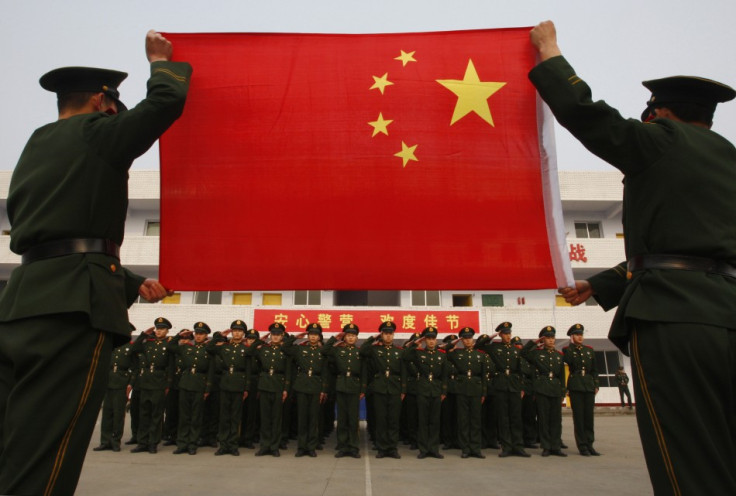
x: 609, y: 286
x: 366, y: 349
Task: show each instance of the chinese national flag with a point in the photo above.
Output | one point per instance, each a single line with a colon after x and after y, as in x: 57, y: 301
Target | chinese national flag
x: 387, y: 161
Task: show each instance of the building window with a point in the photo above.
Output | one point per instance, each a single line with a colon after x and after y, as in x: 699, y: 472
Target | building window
x: 588, y: 230
x: 272, y: 299
x: 425, y: 298
x: 607, y: 363
x: 492, y: 300
x: 208, y: 297
x: 462, y: 300
x: 242, y: 298
x: 367, y: 298
x: 153, y: 228
x: 307, y: 297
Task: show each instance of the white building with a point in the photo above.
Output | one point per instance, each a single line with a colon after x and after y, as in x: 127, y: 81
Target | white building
x: 591, y: 203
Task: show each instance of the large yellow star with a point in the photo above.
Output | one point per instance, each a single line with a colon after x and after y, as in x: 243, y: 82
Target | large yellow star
x: 405, y: 58
x: 472, y: 94
x: 381, y: 82
x: 380, y: 125
x: 407, y: 153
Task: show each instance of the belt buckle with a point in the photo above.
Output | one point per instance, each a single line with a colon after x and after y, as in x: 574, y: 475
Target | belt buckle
x: 388, y: 373
x: 151, y: 368
x: 470, y: 373
x: 270, y: 371
x: 347, y: 374
x: 551, y: 375
x: 508, y: 372
x: 194, y: 370
x: 583, y: 372
x: 114, y: 368
x: 231, y: 369
x: 309, y: 373
x: 431, y: 377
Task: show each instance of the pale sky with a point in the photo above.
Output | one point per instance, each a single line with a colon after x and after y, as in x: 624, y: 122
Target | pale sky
x: 613, y: 45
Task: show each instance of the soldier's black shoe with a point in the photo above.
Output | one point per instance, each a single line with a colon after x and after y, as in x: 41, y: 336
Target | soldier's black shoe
x: 235, y: 452
x: 393, y: 454
x: 354, y: 454
x: 263, y: 452
x: 593, y: 451
x: 478, y: 454
x: 584, y: 452
x: 139, y: 449
x: 192, y: 451
x: 312, y: 454
x: 169, y: 442
x: 340, y: 454
x: 466, y: 455
x: 504, y: 454
x: 380, y: 454
x: 545, y: 452
x: 422, y: 455
x: 299, y: 453
x: 220, y: 452
x: 153, y: 449
x: 275, y: 453
x: 130, y: 441
x: 436, y: 455
x: 557, y: 453
x: 520, y: 452
x: 102, y: 447
x: 179, y: 451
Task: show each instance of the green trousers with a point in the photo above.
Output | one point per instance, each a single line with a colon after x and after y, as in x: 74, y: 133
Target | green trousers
x: 685, y: 385
x: 348, y: 416
x: 428, y: 423
x: 53, y: 377
x: 387, y: 412
x: 191, y: 414
x: 150, y: 416
x: 231, y: 411
x: 468, y: 423
x: 549, y: 413
x: 582, y: 404
x: 308, y: 421
x: 508, y: 416
x: 113, y: 417
x: 271, y: 418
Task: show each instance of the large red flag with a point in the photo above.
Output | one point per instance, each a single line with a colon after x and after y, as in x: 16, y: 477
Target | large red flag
x: 387, y: 161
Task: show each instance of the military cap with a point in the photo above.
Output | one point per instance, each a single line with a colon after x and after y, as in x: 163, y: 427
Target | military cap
x: 85, y: 80
x: 202, y: 327
x: 516, y: 340
x: 686, y: 89
x: 387, y: 326
x: 467, y: 332
x: 161, y: 323
x: 219, y: 338
x: 276, y: 328
x: 504, y: 328
x: 575, y: 329
x: 314, y: 328
x: 449, y: 338
x: 239, y: 324
x: 547, y: 332
x: 430, y: 332
x: 350, y: 329
x: 253, y: 334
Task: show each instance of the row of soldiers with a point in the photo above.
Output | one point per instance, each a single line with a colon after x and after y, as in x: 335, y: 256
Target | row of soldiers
x: 236, y: 389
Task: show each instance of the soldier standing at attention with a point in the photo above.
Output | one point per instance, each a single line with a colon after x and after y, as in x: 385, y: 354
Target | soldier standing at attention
x: 622, y: 380
x: 234, y: 363
x: 582, y: 384
x: 250, y: 420
x: 507, y: 383
x: 194, y: 386
x: 431, y: 387
x: 113, y: 408
x: 680, y: 277
x: 548, y: 384
x: 472, y: 369
x: 310, y: 386
x: 350, y: 386
x: 154, y: 380
x: 273, y: 387
x: 64, y: 308
x: 388, y: 388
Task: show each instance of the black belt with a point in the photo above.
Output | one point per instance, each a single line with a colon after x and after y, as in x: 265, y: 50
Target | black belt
x: 681, y: 262
x: 63, y: 247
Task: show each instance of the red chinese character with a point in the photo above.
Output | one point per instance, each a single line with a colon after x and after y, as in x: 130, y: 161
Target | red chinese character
x: 577, y: 253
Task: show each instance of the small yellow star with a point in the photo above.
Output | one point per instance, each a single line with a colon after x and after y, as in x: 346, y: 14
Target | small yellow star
x: 472, y: 94
x: 407, y: 153
x: 405, y: 58
x: 380, y: 125
x: 381, y: 82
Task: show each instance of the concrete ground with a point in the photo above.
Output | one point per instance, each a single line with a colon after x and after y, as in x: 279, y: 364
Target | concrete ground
x: 621, y: 470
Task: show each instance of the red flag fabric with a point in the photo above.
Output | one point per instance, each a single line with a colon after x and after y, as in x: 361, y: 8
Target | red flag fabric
x: 386, y: 161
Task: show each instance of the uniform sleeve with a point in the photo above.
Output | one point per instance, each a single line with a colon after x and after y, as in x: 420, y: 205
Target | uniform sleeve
x: 609, y: 286
x: 627, y: 144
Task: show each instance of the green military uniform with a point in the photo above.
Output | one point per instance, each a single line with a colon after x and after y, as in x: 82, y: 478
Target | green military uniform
x: 154, y: 380
x: 471, y: 371
x: 622, y: 381
x: 309, y: 385
x: 273, y: 382
x: 409, y: 423
x: 350, y: 385
x: 116, y: 398
x: 250, y: 419
x: 388, y: 387
x: 233, y: 363
x: 530, y: 428
x: 135, y: 399
x: 171, y: 412
x: 71, y: 182
x: 548, y: 367
x: 507, y: 386
x: 679, y: 195
x: 194, y: 385
x: 448, y: 416
x: 431, y: 389
x: 582, y: 386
